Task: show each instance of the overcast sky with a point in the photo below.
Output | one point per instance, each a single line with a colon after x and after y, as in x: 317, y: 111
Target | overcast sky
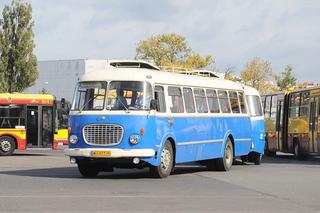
x: 280, y: 31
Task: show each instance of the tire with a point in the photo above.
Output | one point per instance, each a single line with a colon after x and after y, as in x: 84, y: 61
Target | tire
x: 88, y: 170
x: 166, y: 162
x: 225, y: 163
x: 7, y: 145
x: 255, y: 158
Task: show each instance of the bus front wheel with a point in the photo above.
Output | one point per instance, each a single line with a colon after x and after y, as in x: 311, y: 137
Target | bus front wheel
x: 7, y: 145
x: 88, y: 170
x: 166, y: 162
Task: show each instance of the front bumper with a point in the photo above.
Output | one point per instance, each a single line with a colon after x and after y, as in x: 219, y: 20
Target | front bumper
x: 114, y: 153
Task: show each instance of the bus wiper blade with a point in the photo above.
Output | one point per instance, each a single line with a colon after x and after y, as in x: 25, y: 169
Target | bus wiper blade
x: 127, y: 110
x: 85, y: 104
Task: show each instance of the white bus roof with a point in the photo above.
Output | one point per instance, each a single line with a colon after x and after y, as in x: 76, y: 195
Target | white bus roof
x: 159, y: 77
x: 250, y: 91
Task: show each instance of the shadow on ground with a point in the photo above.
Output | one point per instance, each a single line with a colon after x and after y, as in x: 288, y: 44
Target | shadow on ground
x: 72, y: 172
x: 282, y: 158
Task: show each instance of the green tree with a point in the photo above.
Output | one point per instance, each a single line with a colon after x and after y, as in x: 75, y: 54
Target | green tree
x: 286, y: 78
x: 18, y: 64
x: 171, y: 50
x: 257, y: 74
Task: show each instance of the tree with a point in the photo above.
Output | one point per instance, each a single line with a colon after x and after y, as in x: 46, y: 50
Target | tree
x: 257, y: 73
x: 18, y: 64
x: 229, y: 75
x: 171, y: 50
x: 286, y: 78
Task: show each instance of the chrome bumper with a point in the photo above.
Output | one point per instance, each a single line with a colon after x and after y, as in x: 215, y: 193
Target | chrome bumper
x: 114, y: 153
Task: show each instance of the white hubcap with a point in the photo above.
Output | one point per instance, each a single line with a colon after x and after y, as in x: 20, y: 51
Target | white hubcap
x: 165, y: 159
x: 228, y: 156
x: 5, y: 146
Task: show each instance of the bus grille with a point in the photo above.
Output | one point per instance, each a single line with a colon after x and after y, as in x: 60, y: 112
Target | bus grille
x: 103, y: 134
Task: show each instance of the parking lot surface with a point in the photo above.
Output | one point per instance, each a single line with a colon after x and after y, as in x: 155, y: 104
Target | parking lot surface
x: 45, y: 181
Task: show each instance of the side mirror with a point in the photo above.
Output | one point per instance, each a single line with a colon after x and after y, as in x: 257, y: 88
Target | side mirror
x: 153, y: 104
x: 63, y: 102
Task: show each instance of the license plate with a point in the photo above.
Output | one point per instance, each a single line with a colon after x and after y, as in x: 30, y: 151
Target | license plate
x: 100, y: 153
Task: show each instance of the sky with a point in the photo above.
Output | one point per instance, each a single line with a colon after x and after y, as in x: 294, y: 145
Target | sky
x: 234, y: 31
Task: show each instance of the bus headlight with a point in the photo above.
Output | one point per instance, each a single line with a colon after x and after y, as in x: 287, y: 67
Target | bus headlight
x: 73, y: 139
x: 134, y: 139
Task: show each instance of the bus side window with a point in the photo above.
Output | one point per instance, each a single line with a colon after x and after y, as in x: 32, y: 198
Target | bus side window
x: 201, y: 102
x: 159, y: 96
x: 213, y: 101
x: 274, y: 106
x: 267, y: 107
x: 242, y: 104
x: 304, y: 106
x: 176, y: 104
x: 189, y: 100
x: 294, y: 105
x: 234, y: 102
x: 224, y: 102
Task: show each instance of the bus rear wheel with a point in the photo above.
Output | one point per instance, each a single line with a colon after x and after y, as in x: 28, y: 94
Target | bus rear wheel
x: 255, y: 158
x: 7, y: 145
x: 225, y: 163
x: 88, y: 170
x: 166, y: 162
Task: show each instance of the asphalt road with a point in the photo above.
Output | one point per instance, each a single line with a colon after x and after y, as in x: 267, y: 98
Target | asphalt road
x: 45, y: 181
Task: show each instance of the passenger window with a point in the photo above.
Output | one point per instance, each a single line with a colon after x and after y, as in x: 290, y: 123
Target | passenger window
x: 242, y: 104
x: 267, y: 107
x: 213, y: 101
x: 304, y: 104
x: 234, y: 102
x: 159, y: 96
x: 176, y: 104
x: 274, y: 106
x: 294, y: 105
x: 188, y: 100
x: 224, y: 101
x: 201, y: 101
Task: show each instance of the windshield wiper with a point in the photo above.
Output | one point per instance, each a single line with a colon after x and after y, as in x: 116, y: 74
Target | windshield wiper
x: 127, y: 110
x: 86, y: 103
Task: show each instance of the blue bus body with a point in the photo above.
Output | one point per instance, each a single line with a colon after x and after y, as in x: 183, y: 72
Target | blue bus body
x: 194, y: 139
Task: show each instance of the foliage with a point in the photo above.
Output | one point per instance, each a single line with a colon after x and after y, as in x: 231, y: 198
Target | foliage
x: 286, y: 78
x: 18, y: 64
x: 257, y: 74
x: 229, y: 75
x: 171, y: 50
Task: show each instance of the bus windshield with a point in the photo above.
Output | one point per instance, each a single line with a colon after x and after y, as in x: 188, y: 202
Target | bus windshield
x: 89, y: 96
x: 129, y: 95
x: 119, y: 95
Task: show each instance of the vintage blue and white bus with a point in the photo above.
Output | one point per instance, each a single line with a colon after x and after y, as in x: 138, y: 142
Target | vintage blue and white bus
x: 140, y: 118
x: 257, y: 125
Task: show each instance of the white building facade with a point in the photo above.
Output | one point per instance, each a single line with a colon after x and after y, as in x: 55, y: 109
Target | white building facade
x: 59, y: 77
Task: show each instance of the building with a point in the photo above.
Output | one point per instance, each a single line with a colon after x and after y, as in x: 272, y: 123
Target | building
x: 59, y: 77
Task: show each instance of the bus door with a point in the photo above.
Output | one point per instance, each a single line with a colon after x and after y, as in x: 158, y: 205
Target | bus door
x: 47, y: 132
x: 279, y: 124
x: 40, y: 128
x: 313, y: 124
x: 32, y: 126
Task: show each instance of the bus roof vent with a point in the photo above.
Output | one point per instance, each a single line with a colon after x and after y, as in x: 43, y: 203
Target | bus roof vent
x: 133, y: 64
x: 188, y: 71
